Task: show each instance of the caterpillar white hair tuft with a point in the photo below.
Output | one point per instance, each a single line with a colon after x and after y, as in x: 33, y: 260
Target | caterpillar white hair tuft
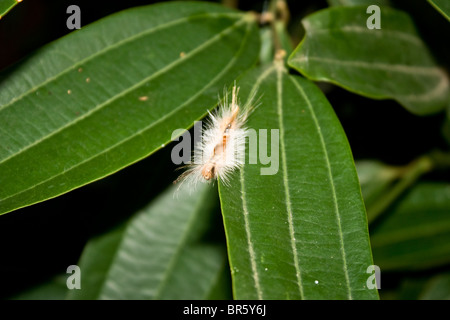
x: 222, y: 147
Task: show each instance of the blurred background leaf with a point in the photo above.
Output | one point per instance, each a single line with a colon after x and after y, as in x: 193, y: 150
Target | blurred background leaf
x: 54, y: 289
x: 160, y: 253
x: 382, y: 184
x: 390, y: 63
x: 358, y: 2
x: 415, y: 233
x: 375, y: 177
x: 437, y: 288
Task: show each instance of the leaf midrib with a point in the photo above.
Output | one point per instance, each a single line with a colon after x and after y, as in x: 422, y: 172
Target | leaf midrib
x: 400, y: 68
x: 251, y: 251
x: 381, y: 33
x: 280, y: 71
x: 181, y: 244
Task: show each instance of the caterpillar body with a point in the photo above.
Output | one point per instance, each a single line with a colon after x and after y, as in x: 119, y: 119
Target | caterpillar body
x: 222, y: 147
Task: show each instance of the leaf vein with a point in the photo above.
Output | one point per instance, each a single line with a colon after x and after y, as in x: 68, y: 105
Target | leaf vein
x: 280, y: 71
x: 115, y: 45
x: 401, y: 68
x: 333, y: 188
x: 220, y: 74
x: 251, y: 251
x: 124, y: 92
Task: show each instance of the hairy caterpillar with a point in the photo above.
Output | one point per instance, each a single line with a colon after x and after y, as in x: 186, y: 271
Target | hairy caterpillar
x: 222, y: 147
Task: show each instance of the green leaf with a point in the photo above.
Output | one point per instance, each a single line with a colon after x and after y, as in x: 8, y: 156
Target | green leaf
x: 375, y: 177
x: 443, y: 6
x: 158, y: 254
x: 416, y: 232
x: 437, y: 288
x: 54, y: 289
x: 409, y: 288
x: 6, y: 6
x: 300, y: 232
x: 97, y: 257
x: 387, y: 63
x: 112, y: 93
x: 358, y: 2
x: 377, y: 181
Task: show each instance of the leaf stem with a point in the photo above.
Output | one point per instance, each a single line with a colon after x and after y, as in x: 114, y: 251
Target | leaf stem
x: 231, y: 3
x: 275, y: 39
x: 281, y: 16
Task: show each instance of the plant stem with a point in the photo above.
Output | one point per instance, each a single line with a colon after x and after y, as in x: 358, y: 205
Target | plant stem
x: 281, y: 15
x: 409, y: 176
x: 275, y: 41
x: 231, y: 3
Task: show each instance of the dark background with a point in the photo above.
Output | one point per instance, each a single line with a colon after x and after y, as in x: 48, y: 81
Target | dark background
x: 42, y: 240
